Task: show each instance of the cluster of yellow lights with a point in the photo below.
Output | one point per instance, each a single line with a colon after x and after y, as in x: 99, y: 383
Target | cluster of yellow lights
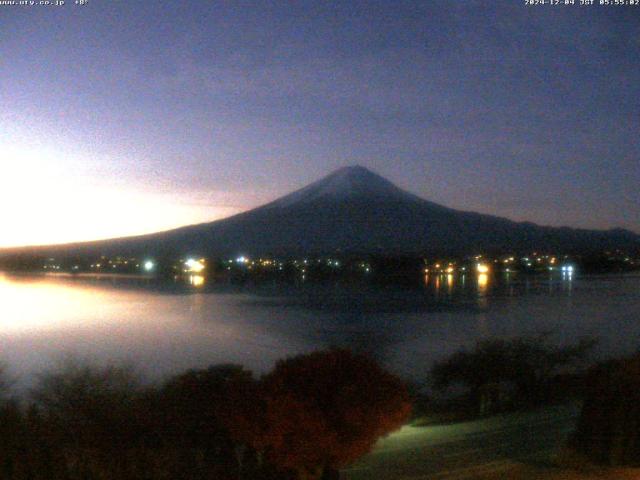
x: 194, y: 266
x: 451, y: 268
x: 482, y: 268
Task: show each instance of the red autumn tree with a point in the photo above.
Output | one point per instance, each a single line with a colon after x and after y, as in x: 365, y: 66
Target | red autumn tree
x: 322, y: 411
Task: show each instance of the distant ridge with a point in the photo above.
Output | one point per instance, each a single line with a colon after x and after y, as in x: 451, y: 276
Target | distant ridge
x: 354, y: 210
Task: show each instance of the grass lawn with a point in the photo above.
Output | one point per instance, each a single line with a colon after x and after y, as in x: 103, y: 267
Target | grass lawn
x: 527, y: 472
x: 564, y: 466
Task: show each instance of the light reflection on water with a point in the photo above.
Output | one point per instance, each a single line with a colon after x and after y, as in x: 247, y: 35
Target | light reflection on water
x: 166, y: 329
x: 43, y: 318
x: 196, y: 280
x: 483, y: 283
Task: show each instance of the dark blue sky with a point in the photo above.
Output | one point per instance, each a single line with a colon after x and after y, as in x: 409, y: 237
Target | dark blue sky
x: 122, y: 117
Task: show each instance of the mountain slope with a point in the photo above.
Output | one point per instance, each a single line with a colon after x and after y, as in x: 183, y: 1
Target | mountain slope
x: 354, y: 210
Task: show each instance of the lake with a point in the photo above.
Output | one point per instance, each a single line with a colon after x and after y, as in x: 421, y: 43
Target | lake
x: 165, y: 327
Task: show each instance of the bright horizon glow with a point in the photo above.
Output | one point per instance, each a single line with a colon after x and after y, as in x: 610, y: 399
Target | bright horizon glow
x: 49, y: 200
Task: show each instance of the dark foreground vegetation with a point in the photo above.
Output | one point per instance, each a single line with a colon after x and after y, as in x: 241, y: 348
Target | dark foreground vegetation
x: 310, y: 416
x: 499, y: 375
x: 608, y: 431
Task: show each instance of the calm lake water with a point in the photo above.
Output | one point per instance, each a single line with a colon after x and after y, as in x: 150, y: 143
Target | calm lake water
x: 165, y: 328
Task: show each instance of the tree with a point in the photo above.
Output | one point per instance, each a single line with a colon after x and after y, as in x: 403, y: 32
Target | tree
x: 91, y: 404
x: 524, y: 364
x: 5, y: 382
x: 198, y: 409
x: 88, y: 418
x: 322, y: 411
x: 608, y: 430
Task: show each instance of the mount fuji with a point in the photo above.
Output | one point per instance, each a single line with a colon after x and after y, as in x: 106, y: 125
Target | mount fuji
x: 355, y: 211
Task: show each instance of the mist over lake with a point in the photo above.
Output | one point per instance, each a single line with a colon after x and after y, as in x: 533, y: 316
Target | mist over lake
x: 164, y: 327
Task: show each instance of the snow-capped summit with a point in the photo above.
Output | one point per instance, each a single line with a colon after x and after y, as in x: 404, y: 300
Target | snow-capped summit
x: 346, y: 183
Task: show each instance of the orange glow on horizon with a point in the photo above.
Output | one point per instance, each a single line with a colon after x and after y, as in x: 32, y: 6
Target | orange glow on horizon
x: 43, y: 205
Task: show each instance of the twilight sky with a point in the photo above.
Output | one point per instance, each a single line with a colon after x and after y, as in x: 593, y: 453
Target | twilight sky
x: 124, y: 117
